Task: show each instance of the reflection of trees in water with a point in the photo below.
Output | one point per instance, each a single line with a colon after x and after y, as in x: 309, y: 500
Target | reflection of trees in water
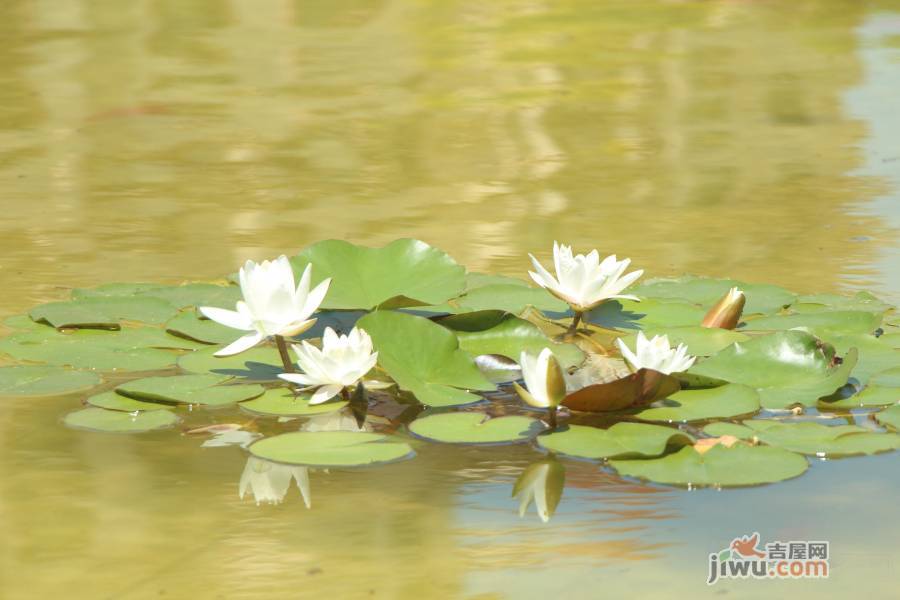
x: 652, y: 133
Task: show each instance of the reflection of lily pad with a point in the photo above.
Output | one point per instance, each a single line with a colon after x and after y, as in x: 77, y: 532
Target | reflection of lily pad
x: 622, y: 440
x: 871, y: 395
x: 696, y: 405
x: 282, y: 402
x: 44, y: 381
x: 475, y: 428
x: 424, y: 358
x: 761, y: 297
x: 104, y: 312
x: 404, y: 273
x: 738, y: 465
x: 114, y: 401
x: 512, y: 336
x: 889, y: 417
x: 811, y: 438
x: 112, y: 421
x: 331, y: 449
x: 190, y: 389
x: 257, y: 364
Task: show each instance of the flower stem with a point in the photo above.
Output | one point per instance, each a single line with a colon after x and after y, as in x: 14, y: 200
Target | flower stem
x: 575, y: 322
x: 283, y: 351
x: 345, y: 394
x: 552, y: 417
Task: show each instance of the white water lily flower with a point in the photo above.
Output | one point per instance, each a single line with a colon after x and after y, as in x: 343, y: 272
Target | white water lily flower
x: 541, y: 482
x: 545, y: 385
x: 342, y: 362
x: 584, y: 281
x: 657, y: 354
x: 271, y: 304
x: 269, y: 482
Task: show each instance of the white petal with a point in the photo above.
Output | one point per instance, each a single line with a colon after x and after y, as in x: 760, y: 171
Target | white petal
x: 228, y: 318
x: 316, y: 297
x: 325, y: 393
x: 299, y: 378
x: 241, y: 344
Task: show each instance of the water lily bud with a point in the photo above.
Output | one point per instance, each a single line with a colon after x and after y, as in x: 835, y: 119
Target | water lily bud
x: 727, y: 311
x: 545, y: 386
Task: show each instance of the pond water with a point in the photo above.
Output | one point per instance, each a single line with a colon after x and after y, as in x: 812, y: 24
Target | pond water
x: 170, y: 140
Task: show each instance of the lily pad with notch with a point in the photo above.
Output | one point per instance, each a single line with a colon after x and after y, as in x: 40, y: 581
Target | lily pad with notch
x: 257, y: 364
x: 113, y: 401
x: 622, y: 440
x: 810, y: 438
x: 331, y: 449
x: 475, y: 428
x: 211, y: 390
x: 727, y: 401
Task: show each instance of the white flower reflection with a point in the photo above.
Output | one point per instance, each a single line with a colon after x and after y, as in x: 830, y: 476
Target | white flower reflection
x: 269, y: 482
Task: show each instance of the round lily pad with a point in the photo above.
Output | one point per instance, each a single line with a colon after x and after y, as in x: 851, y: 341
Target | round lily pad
x: 190, y: 389
x: 761, y: 297
x: 888, y: 378
x: 85, y: 351
x: 889, y: 417
x: 114, y: 401
x: 282, y: 402
x: 811, y: 438
x: 475, y: 428
x: 257, y: 364
x: 838, y: 321
x: 738, y: 465
x: 505, y: 297
x: 876, y: 354
x: 331, y: 449
x: 44, y: 381
x: 180, y: 296
x: 697, y: 405
x: 114, y: 421
x: 871, y: 395
x: 404, y: 273
x: 657, y: 312
x: 104, y: 312
x: 190, y: 325
x: 424, y: 358
x: 622, y: 440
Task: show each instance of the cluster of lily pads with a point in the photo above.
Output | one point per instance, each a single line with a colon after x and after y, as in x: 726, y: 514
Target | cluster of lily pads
x: 348, y: 356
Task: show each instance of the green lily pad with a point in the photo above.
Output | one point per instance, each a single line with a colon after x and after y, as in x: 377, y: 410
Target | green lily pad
x: 509, y: 298
x: 889, y: 417
x: 653, y: 312
x: 191, y: 326
x: 424, y: 358
x: 786, y: 367
x: 622, y: 440
x: 698, y: 405
x: 889, y: 378
x: 282, y: 402
x: 22, y: 381
x: 875, y: 354
x: 761, y: 297
x: 512, y: 336
x: 475, y: 428
x: 180, y: 296
x: 113, y: 421
x: 85, y: 351
x: 859, y: 301
x: 23, y: 323
x: 811, y: 438
x: 257, y: 364
x: 104, y: 312
x: 190, y: 389
x: 114, y: 401
x: 404, y: 273
x: 331, y: 449
x: 871, y: 395
x: 808, y: 393
x: 820, y: 323
x: 700, y: 341
x: 739, y: 465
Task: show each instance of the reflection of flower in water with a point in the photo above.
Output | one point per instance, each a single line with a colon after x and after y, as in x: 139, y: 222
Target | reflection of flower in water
x: 237, y: 437
x: 543, y: 483
x: 339, y: 420
x: 269, y: 482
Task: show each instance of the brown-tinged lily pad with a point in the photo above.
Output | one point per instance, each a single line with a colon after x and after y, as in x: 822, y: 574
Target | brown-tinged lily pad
x: 637, y: 389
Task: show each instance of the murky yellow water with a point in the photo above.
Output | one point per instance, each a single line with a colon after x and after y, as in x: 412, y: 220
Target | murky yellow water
x: 163, y: 140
